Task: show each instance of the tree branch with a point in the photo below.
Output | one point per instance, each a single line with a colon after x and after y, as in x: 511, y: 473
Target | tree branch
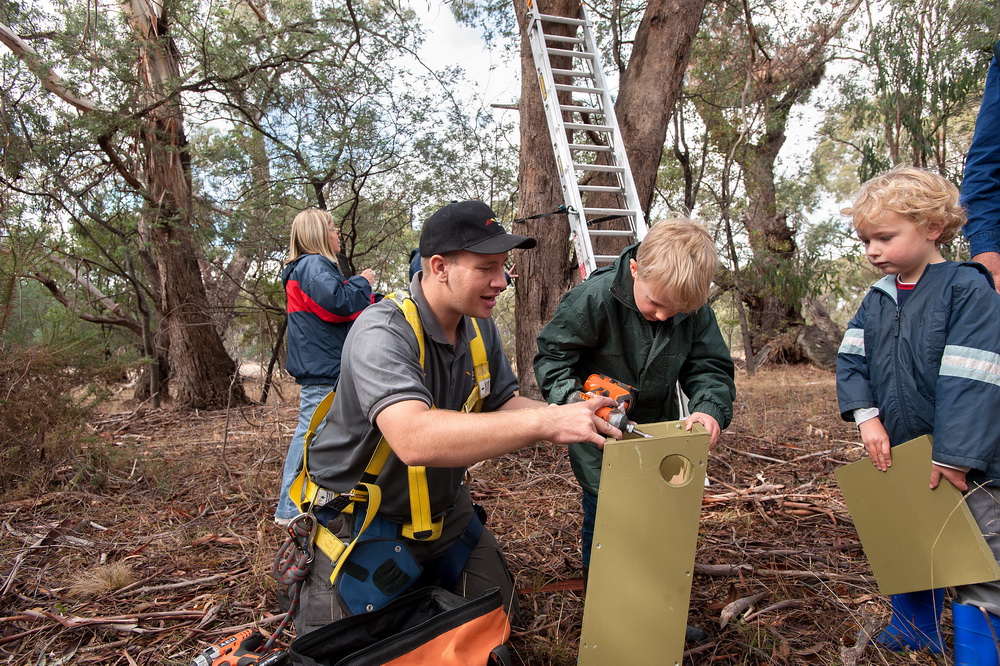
x: 46, y: 75
x: 123, y: 319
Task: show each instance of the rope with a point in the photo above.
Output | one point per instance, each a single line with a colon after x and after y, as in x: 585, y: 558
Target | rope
x: 562, y: 210
x: 291, y: 566
x: 557, y: 211
x: 606, y: 218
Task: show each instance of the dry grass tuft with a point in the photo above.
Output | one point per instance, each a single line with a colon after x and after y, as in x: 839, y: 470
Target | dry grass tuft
x: 102, y: 580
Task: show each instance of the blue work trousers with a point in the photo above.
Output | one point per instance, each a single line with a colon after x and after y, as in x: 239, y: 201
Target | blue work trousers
x: 310, y: 395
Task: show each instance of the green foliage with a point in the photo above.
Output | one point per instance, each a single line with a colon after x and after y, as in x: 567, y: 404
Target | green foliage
x: 912, y: 94
x: 306, y: 104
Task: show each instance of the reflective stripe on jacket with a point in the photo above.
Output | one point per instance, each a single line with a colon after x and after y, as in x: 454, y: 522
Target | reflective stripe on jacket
x: 931, y: 366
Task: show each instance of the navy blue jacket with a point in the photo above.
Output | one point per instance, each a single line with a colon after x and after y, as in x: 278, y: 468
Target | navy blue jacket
x: 932, y: 366
x: 981, y: 182
x: 322, y: 305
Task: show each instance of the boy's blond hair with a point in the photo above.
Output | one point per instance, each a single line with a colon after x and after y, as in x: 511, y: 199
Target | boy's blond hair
x: 678, y: 257
x: 919, y: 195
x: 311, y: 235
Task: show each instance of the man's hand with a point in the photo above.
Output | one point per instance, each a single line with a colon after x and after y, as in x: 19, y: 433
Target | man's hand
x: 711, y: 425
x: 420, y: 436
x: 992, y: 262
x: 876, y: 441
x: 578, y: 422
x: 955, y: 476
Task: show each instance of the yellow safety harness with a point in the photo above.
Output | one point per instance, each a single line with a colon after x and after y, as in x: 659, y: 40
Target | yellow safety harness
x: 304, y: 491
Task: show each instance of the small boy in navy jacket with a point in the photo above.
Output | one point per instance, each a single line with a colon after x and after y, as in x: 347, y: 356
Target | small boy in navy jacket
x: 922, y: 356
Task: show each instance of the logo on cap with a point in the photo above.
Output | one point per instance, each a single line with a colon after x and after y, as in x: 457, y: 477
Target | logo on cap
x: 490, y: 221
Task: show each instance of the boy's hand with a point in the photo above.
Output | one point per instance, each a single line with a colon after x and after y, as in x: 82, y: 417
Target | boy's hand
x: 711, y: 425
x: 955, y: 476
x: 876, y: 441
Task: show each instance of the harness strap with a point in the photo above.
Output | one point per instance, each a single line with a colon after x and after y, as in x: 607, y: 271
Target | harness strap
x: 304, y: 491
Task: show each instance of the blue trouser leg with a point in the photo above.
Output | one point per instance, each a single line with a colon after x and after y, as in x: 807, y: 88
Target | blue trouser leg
x: 310, y: 395
x: 915, y: 623
x: 587, y: 532
x: 977, y: 636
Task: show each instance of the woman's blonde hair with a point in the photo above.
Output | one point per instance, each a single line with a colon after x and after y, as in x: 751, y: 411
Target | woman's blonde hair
x: 678, y: 257
x: 919, y: 195
x: 311, y: 235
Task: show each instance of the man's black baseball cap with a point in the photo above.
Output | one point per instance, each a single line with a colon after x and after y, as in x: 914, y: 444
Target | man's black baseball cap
x: 468, y: 225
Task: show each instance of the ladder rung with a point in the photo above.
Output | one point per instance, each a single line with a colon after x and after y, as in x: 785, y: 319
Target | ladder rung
x: 552, y: 18
x: 587, y: 127
x: 598, y: 167
x: 610, y: 232
x: 607, y: 211
x: 575, y: 108
x: 571, y: 53
x: 575, y: 73
x: 606, y: 258
x: 565, y: 87
x: 590, y: 147
x: 563, y: 39
x: 602, y: 188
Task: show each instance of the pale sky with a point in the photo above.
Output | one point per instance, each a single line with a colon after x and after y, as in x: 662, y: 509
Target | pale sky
x: 449, y: 43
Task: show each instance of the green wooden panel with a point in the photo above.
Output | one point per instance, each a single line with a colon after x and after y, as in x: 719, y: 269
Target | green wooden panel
x: 644, y: 545
x: 915, y: 538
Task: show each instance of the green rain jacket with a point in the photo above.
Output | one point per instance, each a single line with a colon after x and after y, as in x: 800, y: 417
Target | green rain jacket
x: 597, y: 328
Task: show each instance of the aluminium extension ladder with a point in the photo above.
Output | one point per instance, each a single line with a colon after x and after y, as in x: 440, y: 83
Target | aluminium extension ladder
x: 590, y: 116
x: 585, y: 135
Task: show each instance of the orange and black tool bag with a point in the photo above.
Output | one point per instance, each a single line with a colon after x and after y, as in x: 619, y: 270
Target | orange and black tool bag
x: 426, y: 626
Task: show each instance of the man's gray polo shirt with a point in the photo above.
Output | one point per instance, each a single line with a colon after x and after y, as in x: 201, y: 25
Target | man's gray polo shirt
x: 380, y: 367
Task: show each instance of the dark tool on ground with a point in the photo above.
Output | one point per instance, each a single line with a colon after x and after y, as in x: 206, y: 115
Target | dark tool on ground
x: 240, y: 650
x: 618, y: 391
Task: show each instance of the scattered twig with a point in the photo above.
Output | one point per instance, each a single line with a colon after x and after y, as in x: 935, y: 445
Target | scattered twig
x: 738, y: 570
x: 263, y: 622
x: 849, y: 656
x: 736, y: 608
x: 781, y: 605
x: 173, y: 586
x: 113, y: 620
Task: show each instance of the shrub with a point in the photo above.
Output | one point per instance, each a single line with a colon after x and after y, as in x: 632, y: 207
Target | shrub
x: 46, y: 393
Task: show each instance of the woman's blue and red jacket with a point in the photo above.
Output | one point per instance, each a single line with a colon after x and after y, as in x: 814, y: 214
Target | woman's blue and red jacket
x: 322, y: 305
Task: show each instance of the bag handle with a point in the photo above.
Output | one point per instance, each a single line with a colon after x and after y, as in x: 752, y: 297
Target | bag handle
x: 500, y: 656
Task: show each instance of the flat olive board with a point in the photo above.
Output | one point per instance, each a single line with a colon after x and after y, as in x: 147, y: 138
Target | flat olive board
x: 915, y: 538
x: 645, y: 536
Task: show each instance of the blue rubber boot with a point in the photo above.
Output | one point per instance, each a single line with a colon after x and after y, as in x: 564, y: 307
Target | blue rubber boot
x: 977, y: 636
x: 916, y: 622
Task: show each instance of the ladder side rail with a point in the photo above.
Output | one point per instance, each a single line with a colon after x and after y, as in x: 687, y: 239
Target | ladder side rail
x: 636, y: 220
x: 560, y: 142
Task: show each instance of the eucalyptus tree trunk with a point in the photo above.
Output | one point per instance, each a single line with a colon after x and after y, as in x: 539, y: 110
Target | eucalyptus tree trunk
x: 203, y: 375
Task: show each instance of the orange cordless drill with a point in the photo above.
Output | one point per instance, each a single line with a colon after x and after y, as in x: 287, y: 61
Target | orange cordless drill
x: 240, y: 650
x: 618, y: 391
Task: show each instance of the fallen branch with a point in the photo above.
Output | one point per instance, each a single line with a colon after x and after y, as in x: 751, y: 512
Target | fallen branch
x: 849, y: 655
x: 36, y: 502
x: 263, y: 622
x: 781, y: 605
x: 173, y: 586
x: 114, y: 620
x: 738, y: 607
x: 724, y: 570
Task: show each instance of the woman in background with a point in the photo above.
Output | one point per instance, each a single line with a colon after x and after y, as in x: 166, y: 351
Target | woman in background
x: 322, y: 305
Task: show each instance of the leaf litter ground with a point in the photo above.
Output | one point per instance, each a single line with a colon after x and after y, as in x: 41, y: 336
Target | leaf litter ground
x: 165, y: 546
